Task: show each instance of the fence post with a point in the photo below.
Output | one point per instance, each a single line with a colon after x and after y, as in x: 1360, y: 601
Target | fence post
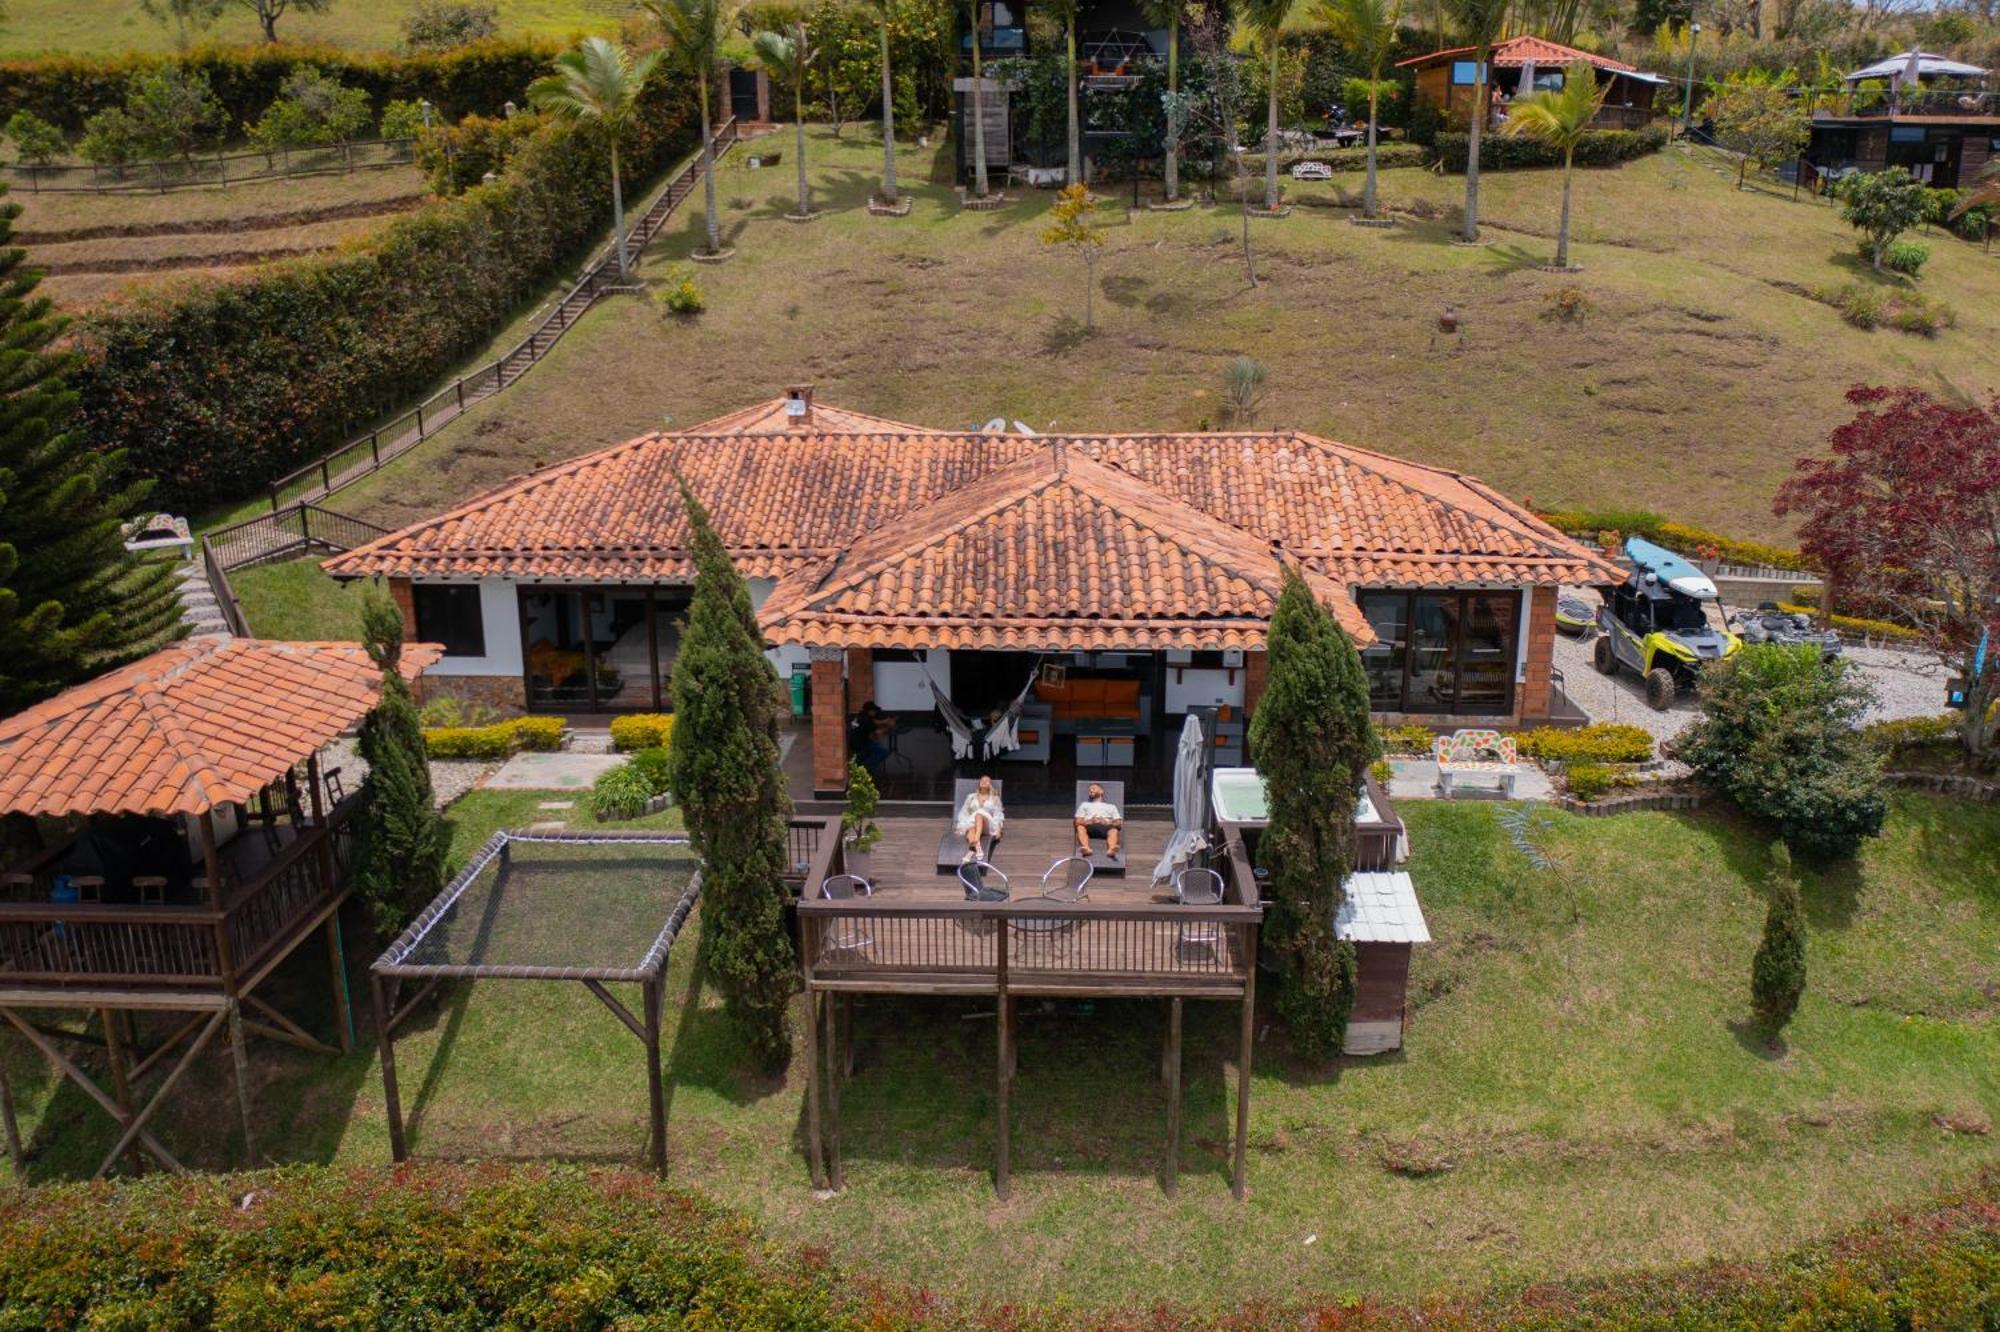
x: 305, y: 526
x: 461, y: 393
x: 325, y: 477
x: 375, y: 446
x: 420, y: 424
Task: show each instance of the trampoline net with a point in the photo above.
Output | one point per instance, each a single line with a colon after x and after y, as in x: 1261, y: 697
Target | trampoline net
x: 571, y: 904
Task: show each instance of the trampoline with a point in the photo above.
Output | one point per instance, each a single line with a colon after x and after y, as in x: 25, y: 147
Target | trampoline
x: 594, y: 908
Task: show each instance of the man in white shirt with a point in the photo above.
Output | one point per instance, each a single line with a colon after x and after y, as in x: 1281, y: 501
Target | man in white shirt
x: 1097, y: 812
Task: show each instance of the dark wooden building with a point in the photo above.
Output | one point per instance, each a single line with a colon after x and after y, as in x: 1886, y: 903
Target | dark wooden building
x: 1938, y: 119
x: 1448, y: 80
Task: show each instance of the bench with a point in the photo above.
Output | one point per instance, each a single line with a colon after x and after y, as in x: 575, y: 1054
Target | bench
x: 1311, y: 171
x: 1476, y: 753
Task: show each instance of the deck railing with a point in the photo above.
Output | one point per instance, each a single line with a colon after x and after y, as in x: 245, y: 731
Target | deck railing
x: 1883, y: 103
x: 51, y: 943
x: 812, y: 852
x: 1027, y: 947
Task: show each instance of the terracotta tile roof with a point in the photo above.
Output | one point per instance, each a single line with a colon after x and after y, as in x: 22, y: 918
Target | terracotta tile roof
x: 1054, y: 552
x: 202, y: 723
x: 1517, y: 51
x: 828, y: 501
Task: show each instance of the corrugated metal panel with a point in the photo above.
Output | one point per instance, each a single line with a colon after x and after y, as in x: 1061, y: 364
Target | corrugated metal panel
x: 1381, y: 907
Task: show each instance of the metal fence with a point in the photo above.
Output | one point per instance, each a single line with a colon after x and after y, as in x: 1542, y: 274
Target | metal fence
x: 208, y: 169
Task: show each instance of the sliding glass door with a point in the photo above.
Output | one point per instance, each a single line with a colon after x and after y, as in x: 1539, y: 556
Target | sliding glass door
x: 1442, y: 652
x: 600, y: 649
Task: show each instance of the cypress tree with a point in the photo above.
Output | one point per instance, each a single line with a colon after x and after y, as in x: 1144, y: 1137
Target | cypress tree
x: 1312, y: 741
x: 1778, y: 972
x: 403, y: 837
x: 726, y: 777
x: 73, y: 600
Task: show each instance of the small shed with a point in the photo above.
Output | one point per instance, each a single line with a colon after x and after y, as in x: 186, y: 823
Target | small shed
x: 1381, y: 917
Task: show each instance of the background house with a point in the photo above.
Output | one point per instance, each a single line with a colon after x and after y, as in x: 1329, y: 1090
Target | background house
x: 1934, y: 117
x: 1447, y: 79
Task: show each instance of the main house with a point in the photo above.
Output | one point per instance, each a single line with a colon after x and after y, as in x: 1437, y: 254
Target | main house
x: 1085, y: 591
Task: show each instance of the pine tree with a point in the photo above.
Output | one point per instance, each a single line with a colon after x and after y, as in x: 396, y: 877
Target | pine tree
x: 73, y: 600
x: 727, y: 780
x: 1311, y: 739
x: 404, y: 840
x: 1778, y: 972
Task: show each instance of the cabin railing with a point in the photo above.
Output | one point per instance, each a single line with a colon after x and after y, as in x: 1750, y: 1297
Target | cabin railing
x: 68, y: 943
x: 1871, y: 103
x: 1033, y: 946
x: 812, y: 852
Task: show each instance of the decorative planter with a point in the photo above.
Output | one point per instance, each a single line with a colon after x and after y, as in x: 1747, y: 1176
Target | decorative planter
x: 1282, y: 210
x: 1377, y: 222
x: 804, y: 217
x: 1558, y: 268
x: 989, y: 204
x: 882, y: 208
x: 721, y: 256
x: 1170, y: 206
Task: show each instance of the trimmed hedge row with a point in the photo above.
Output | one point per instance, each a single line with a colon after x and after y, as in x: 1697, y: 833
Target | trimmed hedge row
x: 559, y: 1247
x: 1598, y: 743
x: 641, y: 730
x: 541, y: 735
x: 482, y: 77
x: 220, y: 387
x: 1855, y: 624
x: 1387, y: 155
x: 1498, y: 152
x: 1683, y: 537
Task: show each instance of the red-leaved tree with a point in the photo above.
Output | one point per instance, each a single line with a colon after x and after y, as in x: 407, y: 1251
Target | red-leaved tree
x: 1907, y: 510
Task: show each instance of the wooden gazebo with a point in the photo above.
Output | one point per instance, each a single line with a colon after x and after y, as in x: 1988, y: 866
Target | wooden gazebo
x: 188, y: 844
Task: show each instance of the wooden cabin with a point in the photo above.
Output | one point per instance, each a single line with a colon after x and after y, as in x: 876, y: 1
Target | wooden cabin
x: 1448, y: 80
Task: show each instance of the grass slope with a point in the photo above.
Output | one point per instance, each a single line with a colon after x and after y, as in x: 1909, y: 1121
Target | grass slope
x: 1696, y: 377
x: 108, y: 27
x: 1577, y: 1093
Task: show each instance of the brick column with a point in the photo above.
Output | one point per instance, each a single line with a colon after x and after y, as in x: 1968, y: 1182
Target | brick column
x: 860, y: 677
x: 1256, y: 670
x: 829, y: 723
x: 406, y: 602
x: 1535, y: 695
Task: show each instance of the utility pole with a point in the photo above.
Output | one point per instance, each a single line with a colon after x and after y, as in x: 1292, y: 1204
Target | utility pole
x: 1687, y: 110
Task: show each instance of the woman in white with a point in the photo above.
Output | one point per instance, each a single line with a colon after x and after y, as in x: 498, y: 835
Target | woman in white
x: 980, y: 818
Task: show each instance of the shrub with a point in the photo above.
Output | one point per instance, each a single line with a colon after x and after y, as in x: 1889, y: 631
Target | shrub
x: 1682, y: 537
x: 863, y: 799
x: 441, y: 25
x: 683, y: 298
x: 1860, y: 305
x: 457, y: 157
x: 401, y: 119
x: 35, y: 139
x: 1408, y: 738
x: 1382, y: 771
x: 1599, y: 742
x: 1881, y: 205
x: 1778, y: 971
x: 173, y: 111
x: 496, y: 740
x: 656, y: 767
x: 1387, y: 155
x: 1856, y: 624
x: 313, y: 109
x: 1907, y: 733
x: 109, y: 139
x: 1594, y: 781
x: 1901, y: 256
x: 620, y: 793
x: 220, y: 387
x: 451, y: 710
x: 1567, y: 304
x: 1499, y: 153
x: 1779, y: 735
x: 642, y: 730
x: 539, y: 735
x: 1915, y: 313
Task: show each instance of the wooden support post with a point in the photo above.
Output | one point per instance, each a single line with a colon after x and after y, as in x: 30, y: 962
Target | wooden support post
x: 1003, y: 1182
x: 1173, y: 1176
x: 813, y: 1161
x: 835, y: 1177
x: 656, y: 1092
x: 1236, y: 1184
x: 121, y: 1083
x: 240, y: 1057
x: 336, y: 962
x: 136, y: 1129
x: 68, y: 1069
x: 15, y: 1155
x: 385, y: 1044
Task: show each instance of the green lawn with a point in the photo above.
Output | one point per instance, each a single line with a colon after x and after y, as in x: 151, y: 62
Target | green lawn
x: 296, y: 600
x: 1697, y: 375
x: 1577, y: 1094
x: 106, y: 27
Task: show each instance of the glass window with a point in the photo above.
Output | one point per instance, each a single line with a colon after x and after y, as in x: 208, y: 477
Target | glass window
x: 1465, y: 72
x: 1906, y: 134
x: 1433, y: 653
x: 451, y: 616
x: 1386, y: 658
x: 1486, y: 653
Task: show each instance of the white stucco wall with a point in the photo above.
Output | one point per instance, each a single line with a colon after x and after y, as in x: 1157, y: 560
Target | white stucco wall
x: 786, y: 657
x: 900, y: 687
x: 499, y: 610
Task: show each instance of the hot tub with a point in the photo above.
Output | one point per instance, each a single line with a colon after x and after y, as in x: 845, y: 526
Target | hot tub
x: 1237, y: 796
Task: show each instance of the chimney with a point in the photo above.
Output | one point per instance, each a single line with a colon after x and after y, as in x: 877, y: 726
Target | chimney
x: 799, y: 405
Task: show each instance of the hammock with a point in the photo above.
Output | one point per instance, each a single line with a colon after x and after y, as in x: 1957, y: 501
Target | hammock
x: 1002, y: 736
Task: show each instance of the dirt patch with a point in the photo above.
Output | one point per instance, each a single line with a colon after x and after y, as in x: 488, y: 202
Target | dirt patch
x: 221, y: 226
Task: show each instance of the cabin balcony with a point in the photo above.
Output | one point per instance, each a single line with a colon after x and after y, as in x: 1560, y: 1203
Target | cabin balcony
x: 1938, y: 104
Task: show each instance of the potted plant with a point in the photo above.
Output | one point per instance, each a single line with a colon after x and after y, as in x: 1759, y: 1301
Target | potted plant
x: 857, y: 824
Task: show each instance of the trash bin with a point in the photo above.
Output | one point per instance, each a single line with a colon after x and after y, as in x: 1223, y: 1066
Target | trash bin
x: 801, y: 682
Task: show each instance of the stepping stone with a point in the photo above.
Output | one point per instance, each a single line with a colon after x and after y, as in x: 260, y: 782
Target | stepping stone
x: 557, y: 804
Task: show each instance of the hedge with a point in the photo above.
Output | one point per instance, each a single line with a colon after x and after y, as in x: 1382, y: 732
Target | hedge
x: 1683, y: 537
x: 481, y: 77
x: 1904, y: 733
x: 641, y: 730
x: 493, y: 1245
x: 1855, y: 624
x: 1387, y: 155
x: 1597, y: 743
x: 218, y: 388
x: 1498, y: 152
x: 535, y: 734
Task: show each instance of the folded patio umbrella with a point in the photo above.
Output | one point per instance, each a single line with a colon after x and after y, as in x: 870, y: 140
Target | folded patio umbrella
x: 1190, y: 803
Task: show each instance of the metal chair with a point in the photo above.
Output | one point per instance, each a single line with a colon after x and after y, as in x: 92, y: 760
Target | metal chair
x: 336, y: 790
x: 849, y: 934
x: 152, y: 889
x: 977, y: 876
x: 1199, y: 887
x: 1067, y: 880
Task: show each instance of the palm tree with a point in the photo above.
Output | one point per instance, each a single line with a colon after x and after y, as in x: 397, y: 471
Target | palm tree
x: 1986, y: 194
x: 1267, y: 19
x: 791, y: 59
x: 1480, y: 23
x: 1065, y: 12
x: 1367, y: 28
x: 599, y: 82
x: 1560, y: 119
x: 888, y: 107
x: 978, y: 106
x: 694, y: 31
x: 1167, y: 14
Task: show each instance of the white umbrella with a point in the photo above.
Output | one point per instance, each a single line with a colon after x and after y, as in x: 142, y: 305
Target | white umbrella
x: 1527, y: 83
x: 1190, y: 803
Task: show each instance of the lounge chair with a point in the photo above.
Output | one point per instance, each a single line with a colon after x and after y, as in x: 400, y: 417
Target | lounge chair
x: 1101, y: 860
x: 951, y: 846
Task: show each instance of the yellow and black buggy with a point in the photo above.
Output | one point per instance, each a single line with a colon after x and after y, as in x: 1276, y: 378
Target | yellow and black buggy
x: 1656, y: 624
